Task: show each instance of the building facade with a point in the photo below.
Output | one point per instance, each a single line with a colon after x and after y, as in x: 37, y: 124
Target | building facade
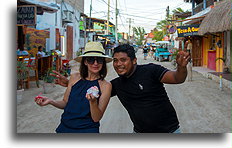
x: 62, y: 25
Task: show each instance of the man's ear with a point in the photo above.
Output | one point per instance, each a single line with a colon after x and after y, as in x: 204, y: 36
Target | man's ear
x: 134, y: 61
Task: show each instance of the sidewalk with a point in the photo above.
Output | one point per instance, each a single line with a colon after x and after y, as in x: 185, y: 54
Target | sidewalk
x: 211, y: 74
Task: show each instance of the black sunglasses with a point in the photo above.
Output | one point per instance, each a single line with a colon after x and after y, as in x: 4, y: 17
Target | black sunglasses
x: 91, y: 60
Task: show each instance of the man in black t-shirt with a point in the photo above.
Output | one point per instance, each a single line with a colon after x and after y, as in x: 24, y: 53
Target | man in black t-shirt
x: 140, y: 90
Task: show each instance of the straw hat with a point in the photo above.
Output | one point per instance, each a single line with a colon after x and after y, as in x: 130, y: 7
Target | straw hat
x: 94, y: 49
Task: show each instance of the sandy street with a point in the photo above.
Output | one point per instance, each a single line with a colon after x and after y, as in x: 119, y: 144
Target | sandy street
x: 201, y: 107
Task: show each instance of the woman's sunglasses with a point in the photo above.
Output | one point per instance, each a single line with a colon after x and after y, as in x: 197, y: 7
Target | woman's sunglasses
x: 91, y: 60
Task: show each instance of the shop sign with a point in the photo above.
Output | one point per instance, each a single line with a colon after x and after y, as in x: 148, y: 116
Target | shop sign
x: 184, y: 31
x: 171, y: 28
x: 26, y: 15
x: 35, y: 38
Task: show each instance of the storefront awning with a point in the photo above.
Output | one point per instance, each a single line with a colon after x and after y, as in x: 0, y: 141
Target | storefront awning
x: 162, y: 42
x: 50, y: 8
x: 218, y: 19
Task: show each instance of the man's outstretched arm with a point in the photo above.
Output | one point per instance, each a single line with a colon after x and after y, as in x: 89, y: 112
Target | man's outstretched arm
x: 61, y: 80
x: 178, y: 76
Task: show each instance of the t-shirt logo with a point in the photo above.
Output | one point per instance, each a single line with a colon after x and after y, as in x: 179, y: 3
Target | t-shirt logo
x: 140, y: 86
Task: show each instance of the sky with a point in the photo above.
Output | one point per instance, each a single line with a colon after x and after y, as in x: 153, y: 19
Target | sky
x: 143, y: 13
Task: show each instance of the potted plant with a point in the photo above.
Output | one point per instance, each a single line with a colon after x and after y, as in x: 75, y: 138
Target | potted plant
x: 225, y: 67
x: 48, y: 80
x: 22, y: 76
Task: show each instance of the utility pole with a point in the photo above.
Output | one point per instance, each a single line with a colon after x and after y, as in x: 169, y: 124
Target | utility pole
x: 116, y: 23
x: 90, y: 11
x: 167, y: 13
x: 167, y: 16
x: 108, y: 18
x: 129, y: 29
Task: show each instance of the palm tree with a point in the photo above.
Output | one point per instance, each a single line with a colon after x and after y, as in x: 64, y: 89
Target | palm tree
x: 139, y: 35
x: 180, y: 11
x: 161, y: 26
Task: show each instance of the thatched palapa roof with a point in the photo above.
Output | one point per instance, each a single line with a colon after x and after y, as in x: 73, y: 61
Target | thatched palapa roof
x: 218, y: 19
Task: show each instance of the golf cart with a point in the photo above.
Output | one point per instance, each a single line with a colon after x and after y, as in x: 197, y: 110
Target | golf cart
x: 161, y: 52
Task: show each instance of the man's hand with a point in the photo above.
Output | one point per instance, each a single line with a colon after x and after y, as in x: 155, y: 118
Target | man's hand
x: 182, y: 58
x: 178, y: 76
x: 61, y: 80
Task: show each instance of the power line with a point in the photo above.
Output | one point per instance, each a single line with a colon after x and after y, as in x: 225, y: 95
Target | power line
x: 107, y: 4
x: 122, y: 21
x: 139, y: 16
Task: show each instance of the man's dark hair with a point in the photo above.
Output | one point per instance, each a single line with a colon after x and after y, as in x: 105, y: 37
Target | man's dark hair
x: 84, y: 70
x: 129, y: 50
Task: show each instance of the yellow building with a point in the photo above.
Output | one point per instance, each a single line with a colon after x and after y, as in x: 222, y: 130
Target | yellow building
x: 216, y: 31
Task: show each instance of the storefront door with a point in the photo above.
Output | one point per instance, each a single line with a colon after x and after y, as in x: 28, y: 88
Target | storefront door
x: 69, y: 43
x: 197, y: 51
x: 211, y: 60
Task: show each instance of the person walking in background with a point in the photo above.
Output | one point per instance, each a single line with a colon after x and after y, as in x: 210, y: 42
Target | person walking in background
x: 140, y: 89
x: 152, y: 51
x: 145, y: 52
x: 189, y: 66
x: 87, y: 94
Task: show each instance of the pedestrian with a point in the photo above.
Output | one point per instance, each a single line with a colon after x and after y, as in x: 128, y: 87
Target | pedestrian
x: 40, y: 52
x: 140, y: 89
x: 145, y: 52
x: 189, y: 66
x: 87, y: 94
x: 152, y: 51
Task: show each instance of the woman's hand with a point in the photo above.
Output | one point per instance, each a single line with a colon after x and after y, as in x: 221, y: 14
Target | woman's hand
x: 42, y: 101
x: 90, y: 97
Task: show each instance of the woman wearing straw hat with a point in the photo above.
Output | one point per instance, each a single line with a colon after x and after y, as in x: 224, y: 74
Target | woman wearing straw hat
x: 87, y: 95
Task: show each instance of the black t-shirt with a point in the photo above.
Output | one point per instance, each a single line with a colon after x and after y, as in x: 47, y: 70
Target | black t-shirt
x: 145, y: 50
x: 146, y: 100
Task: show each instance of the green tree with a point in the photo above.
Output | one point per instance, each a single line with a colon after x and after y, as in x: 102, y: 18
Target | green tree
x: 161, y: 27
x: 139, y: 35
x: 160, y: 30
x: 178, y: 10
x: 158, y: 35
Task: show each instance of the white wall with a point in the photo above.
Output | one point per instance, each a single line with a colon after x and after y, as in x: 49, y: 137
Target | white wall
x: 50, y: 21
x: 176, y: 43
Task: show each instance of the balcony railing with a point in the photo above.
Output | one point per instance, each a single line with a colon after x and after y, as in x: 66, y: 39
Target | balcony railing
x: 200, y: 6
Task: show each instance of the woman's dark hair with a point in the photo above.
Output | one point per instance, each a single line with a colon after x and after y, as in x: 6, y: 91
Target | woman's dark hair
x: 40, y: 47
x: 84, y: 70
x: 129, y: 50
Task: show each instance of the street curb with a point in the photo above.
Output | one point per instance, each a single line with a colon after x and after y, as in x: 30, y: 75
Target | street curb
x: 210, y: 76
